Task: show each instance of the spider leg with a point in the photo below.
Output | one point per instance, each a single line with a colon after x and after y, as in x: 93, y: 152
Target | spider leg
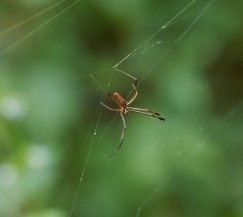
x: 112, y: 109
x: 135, y: 79
x: 146, y: 112
x: 122, y: 136
x: 135, y: 94
x: 135, y: 83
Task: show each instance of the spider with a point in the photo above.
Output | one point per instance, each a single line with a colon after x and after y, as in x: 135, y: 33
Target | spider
x: 124, y: 108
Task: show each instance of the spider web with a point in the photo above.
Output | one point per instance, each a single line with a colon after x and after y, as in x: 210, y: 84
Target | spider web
x: 149, y: 46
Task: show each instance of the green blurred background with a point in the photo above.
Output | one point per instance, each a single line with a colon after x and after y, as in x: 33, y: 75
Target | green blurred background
x: 190, y: 165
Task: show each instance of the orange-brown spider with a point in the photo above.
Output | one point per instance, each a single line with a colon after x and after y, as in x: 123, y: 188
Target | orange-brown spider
x: 124, y: 108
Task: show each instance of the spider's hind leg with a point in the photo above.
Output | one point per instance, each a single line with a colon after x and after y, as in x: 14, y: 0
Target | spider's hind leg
x: 147, y: 112
x: 122, y: 136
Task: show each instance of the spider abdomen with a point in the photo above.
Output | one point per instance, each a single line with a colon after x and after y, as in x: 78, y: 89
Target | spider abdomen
x: 121, y: 102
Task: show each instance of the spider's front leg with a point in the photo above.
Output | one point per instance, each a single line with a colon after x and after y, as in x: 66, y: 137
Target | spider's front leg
x: 111, y: 109
x: 135, y: 93
x: 135, y: 80
x: 135, y: 83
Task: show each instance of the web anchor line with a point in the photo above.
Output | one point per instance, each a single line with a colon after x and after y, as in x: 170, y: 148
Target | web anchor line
x: 157, y: 189
x: 168, y: 23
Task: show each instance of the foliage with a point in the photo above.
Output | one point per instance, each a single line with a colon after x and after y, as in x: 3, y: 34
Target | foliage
x: 49, y: 110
